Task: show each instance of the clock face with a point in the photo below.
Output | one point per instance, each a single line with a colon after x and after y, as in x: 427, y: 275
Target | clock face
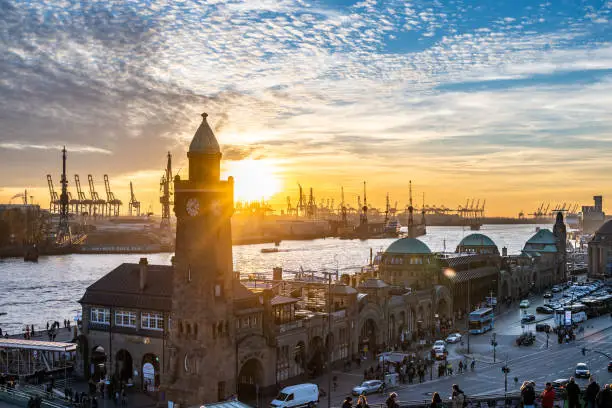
x: 193, y: 207
x: 216, y: 208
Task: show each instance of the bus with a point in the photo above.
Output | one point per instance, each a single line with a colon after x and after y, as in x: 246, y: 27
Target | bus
x: 481, y: 320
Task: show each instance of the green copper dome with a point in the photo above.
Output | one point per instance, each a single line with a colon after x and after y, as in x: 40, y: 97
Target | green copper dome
x: 477, y: 240
x: 411, y: 246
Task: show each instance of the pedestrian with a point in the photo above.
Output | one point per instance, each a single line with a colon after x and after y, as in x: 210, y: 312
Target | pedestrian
x: 473, y: 364
x: 362, y: 402
x: 573, y: 394
x: 392, y: 401
x: 47, y: 326
x: 449, y: 368
x: 458, y: 397
x: 528, y: 395
x: 348, y: 403
x: 460, y: 367
x: 32, y: 331
x: 548, y: 396
x: 123, y: 398
x: 590, y: 395
x: 604, y: 397
x: 436, y: 401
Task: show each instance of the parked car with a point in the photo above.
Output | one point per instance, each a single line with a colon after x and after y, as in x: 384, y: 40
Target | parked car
x: 524, y: 303
x: 543, y: 327
x: 556, y: 289
x: 544, y: 310
x: 368, y: 387
x: 527, y: 318
x: 454, y: 338
x: 582, y: 370
x: 547, y: 295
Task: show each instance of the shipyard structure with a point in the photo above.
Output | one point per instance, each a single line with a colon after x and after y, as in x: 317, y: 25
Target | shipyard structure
x: 197, y: 333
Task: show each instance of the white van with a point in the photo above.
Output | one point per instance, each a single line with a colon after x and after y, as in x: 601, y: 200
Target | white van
x: 301, y: 395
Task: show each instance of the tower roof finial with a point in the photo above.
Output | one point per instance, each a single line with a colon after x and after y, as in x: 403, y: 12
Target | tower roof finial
x: 204, y: 140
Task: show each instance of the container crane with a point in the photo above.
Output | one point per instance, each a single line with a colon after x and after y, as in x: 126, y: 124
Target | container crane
x: 113, y: 203
x: 81, y: 195
x: 166, y: 197
x: 134, y: 205
x: 54, y: 203
x: 99, y: 205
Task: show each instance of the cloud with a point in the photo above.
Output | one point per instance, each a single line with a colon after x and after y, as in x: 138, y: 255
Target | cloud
x: 58, y: 146
x: 383, y: 85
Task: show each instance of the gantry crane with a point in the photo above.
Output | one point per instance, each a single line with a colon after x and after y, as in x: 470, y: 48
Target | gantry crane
x: 55, y: 202
x: 166, y: 195
x: 98, y: 204
x: 134, y: 204
x: 84, y: 201
x: 113, y: 204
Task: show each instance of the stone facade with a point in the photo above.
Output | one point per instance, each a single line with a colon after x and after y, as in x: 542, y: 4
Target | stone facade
x: 600, y: 253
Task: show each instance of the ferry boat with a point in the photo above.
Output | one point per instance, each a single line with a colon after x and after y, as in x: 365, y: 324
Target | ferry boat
x: 392, y: 228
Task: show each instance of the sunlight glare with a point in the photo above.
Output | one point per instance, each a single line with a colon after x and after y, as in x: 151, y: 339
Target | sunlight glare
x: 254, y: 179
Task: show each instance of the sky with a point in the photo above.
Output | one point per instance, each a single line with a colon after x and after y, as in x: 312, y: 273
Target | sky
x: 508, y: 101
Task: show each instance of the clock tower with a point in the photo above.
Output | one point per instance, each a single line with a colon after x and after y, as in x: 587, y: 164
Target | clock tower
x: 201, y: 347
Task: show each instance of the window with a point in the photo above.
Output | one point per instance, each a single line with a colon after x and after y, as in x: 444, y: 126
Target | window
x: 153, y: 321
x: 125, y: 319
x: 100, y: 316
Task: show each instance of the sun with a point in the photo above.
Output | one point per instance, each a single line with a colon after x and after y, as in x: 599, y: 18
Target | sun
x: 254, y: 179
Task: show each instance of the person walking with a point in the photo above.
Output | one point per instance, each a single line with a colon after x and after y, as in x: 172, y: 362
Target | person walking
x: 548, y: 396
x: 590, y: 395
x: 458, y: 397
x: 362, y: 402
x: 436, y: 401
x: 573, y: 394
x: 449, y: 368
x: 528, y: 395
x: 460, y: 367
x: 473, y: 364
x: 392, y: 401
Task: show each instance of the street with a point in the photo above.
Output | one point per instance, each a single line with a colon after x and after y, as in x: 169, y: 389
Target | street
x: 535, y: 362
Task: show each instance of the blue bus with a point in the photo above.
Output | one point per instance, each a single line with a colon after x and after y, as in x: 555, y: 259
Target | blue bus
x: 481, y: 320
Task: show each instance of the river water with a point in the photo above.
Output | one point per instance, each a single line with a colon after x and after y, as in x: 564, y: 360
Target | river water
x: 34, y: 293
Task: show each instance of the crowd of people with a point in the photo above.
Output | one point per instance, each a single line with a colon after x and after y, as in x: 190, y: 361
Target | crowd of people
x: 593, y: 395
x: 458, y: 400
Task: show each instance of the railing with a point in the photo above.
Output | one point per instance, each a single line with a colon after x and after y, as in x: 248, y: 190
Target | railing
x: 21, y: 398
x: 481, y: 401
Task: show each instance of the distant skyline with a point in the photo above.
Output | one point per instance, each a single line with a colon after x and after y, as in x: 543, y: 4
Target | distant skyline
x: 508, y: 101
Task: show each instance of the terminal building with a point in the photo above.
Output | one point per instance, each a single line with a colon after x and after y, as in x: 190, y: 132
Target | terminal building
x: 600, y: 253
x: 196, y: 332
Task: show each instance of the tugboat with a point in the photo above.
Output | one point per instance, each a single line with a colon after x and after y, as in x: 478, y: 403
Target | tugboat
x: 31, y: 253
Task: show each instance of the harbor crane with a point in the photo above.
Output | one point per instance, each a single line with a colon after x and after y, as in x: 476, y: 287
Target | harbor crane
x: 113, y: 204
x: 84, y: 201
x: 166, y: 194
x: 98, y: 204
x: 55, y: 202
x: 63, y: 229
x: 301, y: 204
x: 134, y: 205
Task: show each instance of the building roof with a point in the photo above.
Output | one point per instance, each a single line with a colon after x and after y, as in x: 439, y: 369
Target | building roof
x: 372, y: 283
x: 543, y: 236
x: 204, y: 140
x: 477, y: 240
x: 121, y: 288
x: 341, y: 289
x: 408, y: 246
x: 605, y: 229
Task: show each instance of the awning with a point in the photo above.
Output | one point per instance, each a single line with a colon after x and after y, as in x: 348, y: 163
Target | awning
x: 37, y: 345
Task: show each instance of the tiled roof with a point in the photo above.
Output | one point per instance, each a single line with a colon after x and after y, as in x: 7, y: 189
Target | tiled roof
x: 343, y: 290
x: 121, y: 288
x: 204, y: 140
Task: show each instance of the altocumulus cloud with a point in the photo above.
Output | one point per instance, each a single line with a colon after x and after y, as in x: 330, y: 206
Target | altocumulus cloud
x: 126, y: 79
